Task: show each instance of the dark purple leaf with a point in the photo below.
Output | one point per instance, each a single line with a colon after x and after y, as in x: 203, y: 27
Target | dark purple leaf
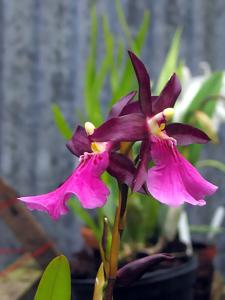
x: 142, y: 170
x: 79, y: 142
x: 119, y: 106
x: 186, y: 134
x: 144, y: 84
x: 128, y: 128
x: 132, y: 271
x: 168, y: 96
x: 122, y: 168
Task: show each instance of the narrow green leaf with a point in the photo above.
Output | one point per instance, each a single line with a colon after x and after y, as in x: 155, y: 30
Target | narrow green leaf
x: 170, y: 63
x: 140, y: 38
x: 120, y: 52
x: 55, y: 283
x: 105, y: 244
x: 126, y: 82
x: 202, y: 101
x: 211, y: 163
x: 90, y: 70
x: 194, y: 152
x: 101, y: 73
x: 123, y: 21
x: 180, y: 69
x: 123, y: 84
x: 99, y: 284
x: 205, y: 229
x: 61, y: 123
x: 84, y: 216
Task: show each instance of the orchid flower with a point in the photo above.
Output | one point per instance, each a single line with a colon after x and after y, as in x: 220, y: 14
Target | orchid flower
x: 173, y: 180
x: 85, y: 182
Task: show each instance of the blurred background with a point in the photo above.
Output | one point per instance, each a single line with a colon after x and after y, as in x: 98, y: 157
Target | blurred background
x: 45, y: 48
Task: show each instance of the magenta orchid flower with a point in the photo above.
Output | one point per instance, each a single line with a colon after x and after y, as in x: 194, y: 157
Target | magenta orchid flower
x: 173, y: 180
x: 85, y: 181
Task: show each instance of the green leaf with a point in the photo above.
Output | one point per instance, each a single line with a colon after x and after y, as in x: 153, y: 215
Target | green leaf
x: 90, y: 70
x: 55, y: 283
x: 99, y: 284
x: 84, y: 216
x: 105, y: 244
x: 194, y: 152
x: 140, y: 38
x: 101, y: 74
x: 204, y: 100
x: 126, y: 82
x: 205, y: 229
x: 123, y: 21
x: 61, y: 123
x: 211, y: 163
x: 142, y: 218
x: 170, y: 63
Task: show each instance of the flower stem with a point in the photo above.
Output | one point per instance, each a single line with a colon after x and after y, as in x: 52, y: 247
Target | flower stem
x: 118, y: 228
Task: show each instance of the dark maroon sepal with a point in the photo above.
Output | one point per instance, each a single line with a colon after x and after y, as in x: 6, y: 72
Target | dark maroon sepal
x: 134, y: 107
x: 168, y: 96
x: 129, y: 128
x: 121, y: 167
x: 142, y: 169
x: 132, y: 271
x: 186, y: 134
x: 131, y: 108
x: 120, y: 105
x: 144, y: 84
x: 79, y: 142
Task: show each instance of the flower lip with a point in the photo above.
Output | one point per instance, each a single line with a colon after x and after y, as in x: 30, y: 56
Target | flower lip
x: 181, y: 181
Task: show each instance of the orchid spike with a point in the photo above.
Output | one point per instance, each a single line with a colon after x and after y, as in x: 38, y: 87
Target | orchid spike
x: 85, y: 182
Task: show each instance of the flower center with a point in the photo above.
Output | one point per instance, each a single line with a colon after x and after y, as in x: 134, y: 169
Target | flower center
x: 157, y: 123
x: 96, y: 147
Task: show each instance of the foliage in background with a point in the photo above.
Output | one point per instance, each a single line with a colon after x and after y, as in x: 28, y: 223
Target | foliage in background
x: 145, y: 215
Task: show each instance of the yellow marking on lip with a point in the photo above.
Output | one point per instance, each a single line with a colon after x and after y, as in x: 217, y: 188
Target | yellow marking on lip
x: 98, y: 147
x: 162, y: 126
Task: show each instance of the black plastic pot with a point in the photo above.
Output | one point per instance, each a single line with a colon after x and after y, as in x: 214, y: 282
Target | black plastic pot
x: 175, y: 283
x: 206, y: 254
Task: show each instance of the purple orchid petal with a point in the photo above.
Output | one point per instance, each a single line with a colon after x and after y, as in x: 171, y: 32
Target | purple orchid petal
x: 84, y: 182
x: 186, y: 134
x: 79, y: 143
x: 120, y: 105
x: 132, y: 271
x: 142, y: 170
x: 122, y: 168
x: 173, y: 180
x: 144, y: 84
x: 128, y: 128
x: 168, y: 96
x: 133, y: 107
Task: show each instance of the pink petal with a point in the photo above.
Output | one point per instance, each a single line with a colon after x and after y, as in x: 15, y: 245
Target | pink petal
x: 173, y: 180
x: 84, y: 182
